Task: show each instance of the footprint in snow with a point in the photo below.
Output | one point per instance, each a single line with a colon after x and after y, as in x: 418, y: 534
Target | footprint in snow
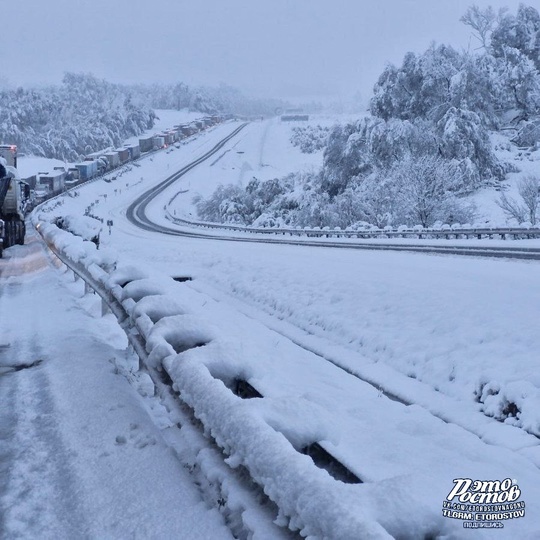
x: 139, y: 440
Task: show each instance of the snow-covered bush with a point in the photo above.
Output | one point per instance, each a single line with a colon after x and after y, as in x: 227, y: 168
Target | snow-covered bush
x: 225, y: 205
x: 310, y: 139
x: 525, y: 209
x: 529, y: 134
x: 86, y: 227
x: 263, y: 204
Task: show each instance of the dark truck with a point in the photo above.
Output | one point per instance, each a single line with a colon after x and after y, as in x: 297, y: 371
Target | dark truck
x: 14, y: 200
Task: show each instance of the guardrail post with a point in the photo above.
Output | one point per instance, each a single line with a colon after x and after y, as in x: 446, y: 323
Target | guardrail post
x: 87, y: 288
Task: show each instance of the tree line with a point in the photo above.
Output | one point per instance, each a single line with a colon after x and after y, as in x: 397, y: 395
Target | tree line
x: 85, y: 114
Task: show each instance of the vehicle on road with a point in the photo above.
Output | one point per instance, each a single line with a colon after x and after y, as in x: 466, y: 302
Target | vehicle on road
x: 15, y: 202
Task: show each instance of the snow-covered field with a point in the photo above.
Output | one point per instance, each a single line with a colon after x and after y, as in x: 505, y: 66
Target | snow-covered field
x: 394, y: 449
x: 262, y: 150
x: 439, y: 332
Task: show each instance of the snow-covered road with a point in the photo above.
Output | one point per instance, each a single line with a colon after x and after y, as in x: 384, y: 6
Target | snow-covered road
x: 80, y: 453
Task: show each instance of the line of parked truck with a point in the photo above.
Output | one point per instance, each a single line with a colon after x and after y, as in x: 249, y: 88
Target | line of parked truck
x: 18, y: 196
x: 47, y: 184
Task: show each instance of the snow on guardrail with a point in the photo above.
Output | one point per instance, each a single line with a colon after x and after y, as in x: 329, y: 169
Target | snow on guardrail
x: 455, y: 231
x: 192, y: 353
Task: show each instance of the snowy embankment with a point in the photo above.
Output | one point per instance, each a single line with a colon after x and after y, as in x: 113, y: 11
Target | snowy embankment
x: 406, y: 457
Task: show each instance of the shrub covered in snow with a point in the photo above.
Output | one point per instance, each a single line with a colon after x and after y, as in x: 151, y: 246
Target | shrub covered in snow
x: 261, y: 203
x: 526, y: 209
x: 529, y: 134
x: 86, y: 227
x: 310, y: 139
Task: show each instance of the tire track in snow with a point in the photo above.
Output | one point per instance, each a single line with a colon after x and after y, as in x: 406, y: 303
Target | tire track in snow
x: 39, y: 496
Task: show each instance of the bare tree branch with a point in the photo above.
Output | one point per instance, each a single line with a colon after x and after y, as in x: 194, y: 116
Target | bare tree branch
x: 529, y: 189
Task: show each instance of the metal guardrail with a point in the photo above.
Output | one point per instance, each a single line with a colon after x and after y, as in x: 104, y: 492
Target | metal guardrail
x: 503, y: 233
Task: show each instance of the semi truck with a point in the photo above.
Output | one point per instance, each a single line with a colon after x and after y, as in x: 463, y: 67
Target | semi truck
x: 14, y: 200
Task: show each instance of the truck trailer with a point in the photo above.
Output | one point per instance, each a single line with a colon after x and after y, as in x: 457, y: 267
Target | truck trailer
x: 9, y: 153
x: 87, y: 170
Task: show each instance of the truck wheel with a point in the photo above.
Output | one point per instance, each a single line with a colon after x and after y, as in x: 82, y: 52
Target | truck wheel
x: 20, y: 228
x: 9, y: 233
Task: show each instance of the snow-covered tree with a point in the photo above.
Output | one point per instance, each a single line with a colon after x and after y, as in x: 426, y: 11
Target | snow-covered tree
x: 525, y: 209
x: 464, y: 141
x: 521, y: 32
x: 420, y: 88
x: 482, y: 21
x: 426, y: 191
x: 82, y: 115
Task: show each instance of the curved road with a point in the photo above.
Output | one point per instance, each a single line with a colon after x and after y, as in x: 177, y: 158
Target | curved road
x: 136, y: 211
x: 136, y: 214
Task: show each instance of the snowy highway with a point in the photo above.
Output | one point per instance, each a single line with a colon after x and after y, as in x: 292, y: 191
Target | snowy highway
x: 270, y: 271
x: 400, y: 365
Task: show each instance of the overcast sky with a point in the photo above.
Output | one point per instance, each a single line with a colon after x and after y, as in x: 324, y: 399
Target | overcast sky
x: 281, y: 48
